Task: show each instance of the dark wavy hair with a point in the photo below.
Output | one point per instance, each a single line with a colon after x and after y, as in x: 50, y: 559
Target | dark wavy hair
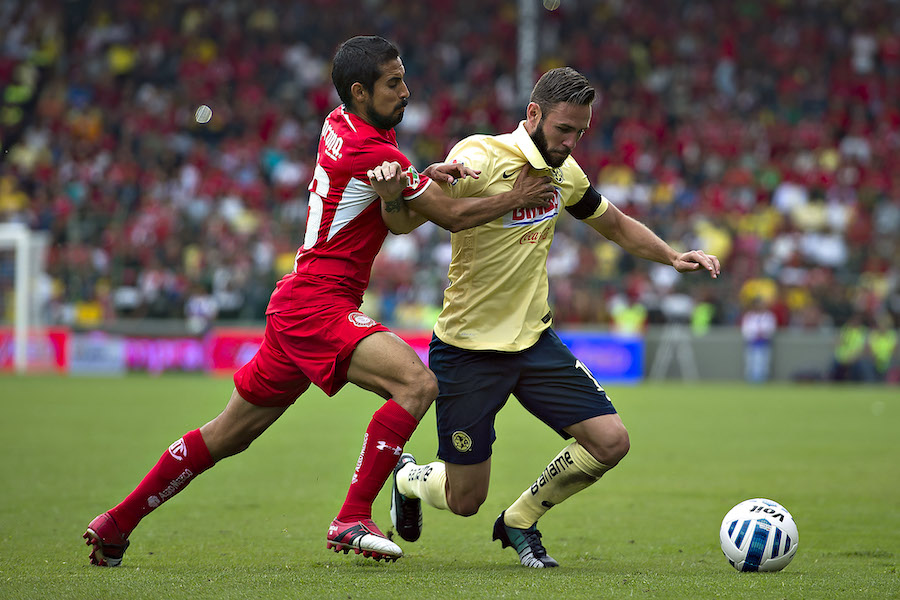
x: 360, y: 59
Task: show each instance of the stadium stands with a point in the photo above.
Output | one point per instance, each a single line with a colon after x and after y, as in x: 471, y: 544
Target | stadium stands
x: 765, y: 132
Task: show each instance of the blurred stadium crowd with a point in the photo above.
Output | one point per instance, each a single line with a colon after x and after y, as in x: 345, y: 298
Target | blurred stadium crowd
x: 766, y: 132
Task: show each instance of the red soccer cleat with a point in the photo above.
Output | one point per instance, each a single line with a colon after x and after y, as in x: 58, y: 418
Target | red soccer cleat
x: 364, y: 538
x: 108, y: 543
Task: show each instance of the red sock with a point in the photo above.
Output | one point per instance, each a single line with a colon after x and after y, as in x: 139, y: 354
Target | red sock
x: 390, y: 428
x: 184, y: 460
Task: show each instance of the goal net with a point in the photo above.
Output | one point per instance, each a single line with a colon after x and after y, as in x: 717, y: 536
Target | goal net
x: 23, y: 256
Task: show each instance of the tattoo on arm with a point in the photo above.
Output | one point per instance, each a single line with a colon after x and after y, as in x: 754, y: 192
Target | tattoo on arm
x: 393, y: 206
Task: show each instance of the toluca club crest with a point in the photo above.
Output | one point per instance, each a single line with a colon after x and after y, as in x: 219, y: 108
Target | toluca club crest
x: 360, y: 319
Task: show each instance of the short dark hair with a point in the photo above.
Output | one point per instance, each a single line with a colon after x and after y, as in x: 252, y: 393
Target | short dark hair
x: 563, y: 84
x: 360, y: 59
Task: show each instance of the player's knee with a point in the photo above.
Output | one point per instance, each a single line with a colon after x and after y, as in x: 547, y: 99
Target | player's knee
x: 429, y: 387
x: 465, y: 506
x: 611, y: 449
x: 420, y: 391
x: 622, y: 445
x: 617, y: 447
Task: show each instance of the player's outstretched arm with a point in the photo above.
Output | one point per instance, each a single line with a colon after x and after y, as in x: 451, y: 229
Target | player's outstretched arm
x: 453, y: 214
x: 398, y: 217
x: 396, y: 213
x: 389, y: 180
x: 449, y: 172
x: 635, y: 238
x: 456, y: 214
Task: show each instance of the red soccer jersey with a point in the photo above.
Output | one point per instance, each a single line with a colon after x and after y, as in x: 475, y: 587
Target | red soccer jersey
x: 344, y: 228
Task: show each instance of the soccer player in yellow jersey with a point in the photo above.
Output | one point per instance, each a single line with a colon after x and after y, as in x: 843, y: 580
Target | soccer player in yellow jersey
x: 494, y: 337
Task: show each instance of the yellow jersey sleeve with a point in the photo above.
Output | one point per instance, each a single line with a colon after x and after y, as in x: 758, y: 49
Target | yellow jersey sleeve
x: 584, y: 202
x: 475, y: 154
x: 580, y: 184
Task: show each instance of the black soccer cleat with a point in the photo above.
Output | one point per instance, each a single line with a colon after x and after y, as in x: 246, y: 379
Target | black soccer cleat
x: 527, y: 542
x: 406, y: 513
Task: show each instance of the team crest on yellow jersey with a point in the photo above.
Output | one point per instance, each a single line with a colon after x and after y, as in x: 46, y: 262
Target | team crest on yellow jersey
x: 557, y: 175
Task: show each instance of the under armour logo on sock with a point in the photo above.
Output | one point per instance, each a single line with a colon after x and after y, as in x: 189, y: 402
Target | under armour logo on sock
x: 382, y: 445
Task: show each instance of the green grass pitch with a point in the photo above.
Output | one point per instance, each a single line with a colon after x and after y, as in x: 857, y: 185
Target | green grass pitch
x: 254, y: 526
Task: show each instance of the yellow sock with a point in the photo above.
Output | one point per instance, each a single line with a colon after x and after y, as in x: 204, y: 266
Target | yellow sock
x: 571, y: 471
x: 428, y: 482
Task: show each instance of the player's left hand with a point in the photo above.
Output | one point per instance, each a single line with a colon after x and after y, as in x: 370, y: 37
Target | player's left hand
x: 450, y: 172
x: 696, y: 260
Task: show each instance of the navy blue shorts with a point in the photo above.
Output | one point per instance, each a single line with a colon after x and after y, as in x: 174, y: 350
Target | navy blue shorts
x: 474, y: 385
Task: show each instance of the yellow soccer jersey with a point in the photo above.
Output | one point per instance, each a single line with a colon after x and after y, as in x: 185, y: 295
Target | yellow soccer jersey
x: 497, y: 298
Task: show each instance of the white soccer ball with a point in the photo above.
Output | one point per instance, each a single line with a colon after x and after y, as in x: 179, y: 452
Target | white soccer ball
x: 203, y: 114
x: 759, y: 535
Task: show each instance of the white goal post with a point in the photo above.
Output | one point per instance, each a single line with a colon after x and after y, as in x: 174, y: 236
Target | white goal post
x: 29, y: 252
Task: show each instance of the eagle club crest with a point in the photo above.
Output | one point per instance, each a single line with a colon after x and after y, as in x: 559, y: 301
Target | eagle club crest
x: 557, y: 175
x: 461, y: 441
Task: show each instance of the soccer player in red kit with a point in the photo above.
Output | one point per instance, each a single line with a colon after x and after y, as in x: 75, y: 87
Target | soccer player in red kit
x: 315, y: 332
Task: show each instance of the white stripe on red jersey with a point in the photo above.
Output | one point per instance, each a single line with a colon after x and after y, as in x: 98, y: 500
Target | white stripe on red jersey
x: 344, y: 228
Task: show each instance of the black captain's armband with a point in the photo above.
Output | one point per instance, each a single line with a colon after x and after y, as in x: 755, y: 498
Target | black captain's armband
x: 587, y: 206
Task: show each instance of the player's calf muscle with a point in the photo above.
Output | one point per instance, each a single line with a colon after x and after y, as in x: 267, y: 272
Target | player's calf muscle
x: 236, y: 427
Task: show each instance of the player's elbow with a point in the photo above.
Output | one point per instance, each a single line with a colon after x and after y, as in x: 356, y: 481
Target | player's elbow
x: 458, y: 220
x: 612, y: 230
x: 449, y: 222
x: 401, y: 229
x: 401, y: 224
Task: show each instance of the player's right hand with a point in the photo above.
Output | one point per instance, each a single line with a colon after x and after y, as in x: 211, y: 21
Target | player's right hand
x: 536, y: 191
x: 387, y: 179
x: 450, y: 172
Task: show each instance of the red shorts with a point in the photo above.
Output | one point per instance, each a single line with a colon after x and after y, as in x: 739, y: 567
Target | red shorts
x: 309, y: 344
